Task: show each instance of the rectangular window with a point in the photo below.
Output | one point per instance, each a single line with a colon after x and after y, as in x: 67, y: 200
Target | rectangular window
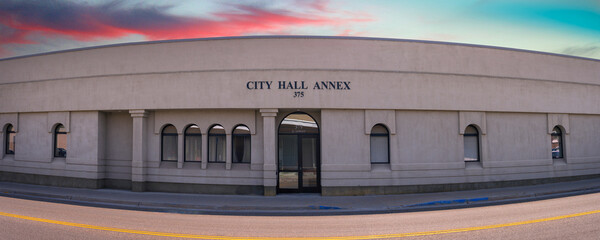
x: 288, y: 152
x: 379, y: 149
x: 471, y: 148
x: 11, y: 143
x: 556, y: 146
x: 169, y: 148
x: 216, y: 148
x: 241, y: 148
x: 193, y: 148
x: 61, y: 145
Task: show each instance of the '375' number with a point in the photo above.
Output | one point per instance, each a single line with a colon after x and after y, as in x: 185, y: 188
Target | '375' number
x: 298, y: 94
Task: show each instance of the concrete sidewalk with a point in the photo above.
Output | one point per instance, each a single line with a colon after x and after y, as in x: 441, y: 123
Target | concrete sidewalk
x: 294, y: 204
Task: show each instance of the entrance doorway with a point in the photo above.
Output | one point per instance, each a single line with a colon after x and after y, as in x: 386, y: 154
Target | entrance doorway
x: 298, y: 154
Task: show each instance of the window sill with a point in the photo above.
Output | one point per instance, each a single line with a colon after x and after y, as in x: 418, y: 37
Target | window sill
x: 58, y: 160
x: 473, y: 165
x: 559, y: 161
x: 192, y: 165
x: 216, y: 165
x: 240, y: 166
x: 168, y: 164
x: 380, y: 167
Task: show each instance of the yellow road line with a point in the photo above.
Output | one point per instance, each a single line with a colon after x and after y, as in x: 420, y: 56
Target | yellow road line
x: 178, y: 235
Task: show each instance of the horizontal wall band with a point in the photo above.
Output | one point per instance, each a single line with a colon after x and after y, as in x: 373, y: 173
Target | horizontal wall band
x: 384, y: 190
x: 258, y: 190
x: 298, y: 70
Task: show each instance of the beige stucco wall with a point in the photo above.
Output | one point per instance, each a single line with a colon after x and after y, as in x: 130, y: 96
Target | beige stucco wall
x: 428, y: 148
x: 519, y: 137
x: 34, y: 145
x: 118, y: 131
x: 194, y: 172
x: 384, y: 74
x: 299, y: 53
x: 425, y: 93
x: 370, y: 90
x: 584, y: 132
x: 33, y: 139
x: 336, y: 136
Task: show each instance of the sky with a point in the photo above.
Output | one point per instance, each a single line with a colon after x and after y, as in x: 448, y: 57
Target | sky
x: 570, y: 27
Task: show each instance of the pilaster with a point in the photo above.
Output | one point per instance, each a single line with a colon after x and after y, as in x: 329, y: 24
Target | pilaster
x: 228, y: 151
x: 269, y: 151
x: 204, y: 150
x: 138, y: 159
x: 180, y: 150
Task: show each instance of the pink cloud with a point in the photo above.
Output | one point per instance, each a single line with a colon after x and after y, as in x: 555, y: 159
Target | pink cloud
x: 109, y: 21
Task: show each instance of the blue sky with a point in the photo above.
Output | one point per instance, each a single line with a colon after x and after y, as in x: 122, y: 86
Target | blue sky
x: 555, y: 26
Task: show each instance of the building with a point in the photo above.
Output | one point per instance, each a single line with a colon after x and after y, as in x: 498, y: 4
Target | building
x: 265, y: 115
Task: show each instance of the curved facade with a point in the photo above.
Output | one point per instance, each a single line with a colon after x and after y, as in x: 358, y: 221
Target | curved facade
x: 262, y: 115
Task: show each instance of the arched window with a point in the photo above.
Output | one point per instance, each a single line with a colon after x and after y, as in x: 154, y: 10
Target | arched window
x: 60, y: 141
x: 193, y: 144
x: 10, y: 140
x: 471, y: 142
x: 241, y: 144
x: 557, y: 143
x: 169, y: 143
x: 216, y: 144
x: 380, y: 141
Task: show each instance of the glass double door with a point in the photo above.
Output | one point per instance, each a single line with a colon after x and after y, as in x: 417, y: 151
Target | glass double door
x: 298, y: 163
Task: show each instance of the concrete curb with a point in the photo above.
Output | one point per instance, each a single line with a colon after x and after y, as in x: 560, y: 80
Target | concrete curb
x: 309, y: 210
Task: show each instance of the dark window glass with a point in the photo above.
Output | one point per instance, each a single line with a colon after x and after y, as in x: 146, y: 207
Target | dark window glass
x: 169, y: 143
x: 288, y: 152
x: 380, y: 144
x: 216, y: 144
x: 241, y: 144
x: 60, y: 141
x: 471, y: 144
x: 193, y: 144
x: 557, y: 143
x: 10, y: 140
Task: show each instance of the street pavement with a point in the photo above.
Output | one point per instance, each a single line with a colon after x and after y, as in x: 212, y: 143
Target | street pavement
x: 294, y: 204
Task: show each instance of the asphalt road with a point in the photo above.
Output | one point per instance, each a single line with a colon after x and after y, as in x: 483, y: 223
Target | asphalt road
x: 498, y: 220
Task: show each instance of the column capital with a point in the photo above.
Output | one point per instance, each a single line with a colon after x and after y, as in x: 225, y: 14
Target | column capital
x: 269, y: 112
x: 138, y: 113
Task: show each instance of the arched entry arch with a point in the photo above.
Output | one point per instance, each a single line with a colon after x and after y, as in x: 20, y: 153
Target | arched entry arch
x: 299, y: 163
